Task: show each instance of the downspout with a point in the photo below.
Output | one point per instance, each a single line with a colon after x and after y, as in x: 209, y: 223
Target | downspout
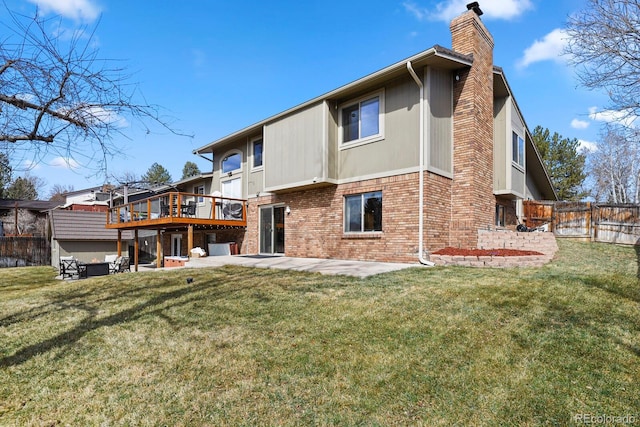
x: 421, y: 171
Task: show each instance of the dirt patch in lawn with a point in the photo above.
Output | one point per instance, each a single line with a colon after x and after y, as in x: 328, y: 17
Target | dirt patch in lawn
x: 485, y: 252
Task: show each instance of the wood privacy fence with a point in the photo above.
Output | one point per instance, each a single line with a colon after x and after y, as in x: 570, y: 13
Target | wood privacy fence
x: 23, y: 251
x: 598, y: 222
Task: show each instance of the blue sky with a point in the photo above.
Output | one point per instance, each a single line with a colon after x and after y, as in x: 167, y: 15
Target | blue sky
x: 218, y: 66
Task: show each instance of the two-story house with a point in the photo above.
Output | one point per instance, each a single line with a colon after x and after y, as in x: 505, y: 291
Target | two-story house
x: 415, y: 157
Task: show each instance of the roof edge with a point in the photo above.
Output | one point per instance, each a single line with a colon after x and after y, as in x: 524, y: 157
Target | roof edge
x: 435, y: 51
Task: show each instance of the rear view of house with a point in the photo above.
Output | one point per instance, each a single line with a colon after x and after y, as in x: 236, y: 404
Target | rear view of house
x: 410, y: 159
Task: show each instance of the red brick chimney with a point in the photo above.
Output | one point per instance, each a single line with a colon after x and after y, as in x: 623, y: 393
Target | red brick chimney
x: 473, y: 201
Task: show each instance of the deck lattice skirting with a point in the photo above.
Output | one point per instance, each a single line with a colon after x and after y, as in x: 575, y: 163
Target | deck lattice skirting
x: 543, y: 242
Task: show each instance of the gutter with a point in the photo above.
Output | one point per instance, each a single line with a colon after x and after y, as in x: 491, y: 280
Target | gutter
x: 421, y: 171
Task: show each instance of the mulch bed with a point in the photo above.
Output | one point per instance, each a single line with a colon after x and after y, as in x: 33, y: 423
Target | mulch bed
x: 485, y: 252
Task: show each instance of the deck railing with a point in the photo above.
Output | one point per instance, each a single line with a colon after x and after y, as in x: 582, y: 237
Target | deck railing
x: 182, y: 207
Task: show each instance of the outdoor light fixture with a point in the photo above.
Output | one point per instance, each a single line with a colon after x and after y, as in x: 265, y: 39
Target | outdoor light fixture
x: 287, y: 210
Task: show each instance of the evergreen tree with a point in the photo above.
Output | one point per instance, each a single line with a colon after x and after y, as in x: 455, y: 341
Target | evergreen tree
x: 157, y: 174
x: 190, y: 169
x: 564, y: 162
x: 22, y: 189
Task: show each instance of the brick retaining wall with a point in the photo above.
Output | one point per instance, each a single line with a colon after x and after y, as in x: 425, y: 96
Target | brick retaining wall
x: 544, y: 243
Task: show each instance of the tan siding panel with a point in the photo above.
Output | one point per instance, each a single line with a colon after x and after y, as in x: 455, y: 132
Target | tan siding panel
x: 500, y: 144
x: 399, y: 149
x: 439, y: 95
x: 294, y: 148
x: 518, y: 182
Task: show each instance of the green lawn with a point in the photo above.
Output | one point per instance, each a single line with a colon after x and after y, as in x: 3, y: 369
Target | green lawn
x: 241, y: 346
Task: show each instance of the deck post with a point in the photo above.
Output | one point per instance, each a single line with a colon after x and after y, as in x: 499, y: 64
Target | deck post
x: 136, y: 248
x: 119, y: 246
x: 160, y: 255
x: 189, y: 239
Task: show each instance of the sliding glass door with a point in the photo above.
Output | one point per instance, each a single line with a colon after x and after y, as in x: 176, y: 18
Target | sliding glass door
x: 272, y: 230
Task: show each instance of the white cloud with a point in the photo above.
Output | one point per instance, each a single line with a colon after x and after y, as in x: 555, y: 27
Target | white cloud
x: 624, y: 118
x: 492, y: 9
x: 74, y: 9
x: 31, y: 165
x: 579, y: 124
x: 587, y: 146
x: 64, y: 163
x: 550, y: 47
x: 97, y: 115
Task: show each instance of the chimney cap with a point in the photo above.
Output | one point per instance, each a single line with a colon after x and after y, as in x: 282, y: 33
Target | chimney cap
x: 475, y: 7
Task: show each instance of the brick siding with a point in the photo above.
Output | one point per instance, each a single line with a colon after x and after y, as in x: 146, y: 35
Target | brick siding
x: 472, y: 191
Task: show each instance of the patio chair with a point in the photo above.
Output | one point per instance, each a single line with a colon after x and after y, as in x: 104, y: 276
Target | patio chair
x: 189, y: 209
x: 69, y: 267
x: 124, y: 265
x: 114, y: 261
x: 164, y: 209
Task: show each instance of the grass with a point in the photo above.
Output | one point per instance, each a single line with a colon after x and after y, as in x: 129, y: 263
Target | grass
x: 238, y: 346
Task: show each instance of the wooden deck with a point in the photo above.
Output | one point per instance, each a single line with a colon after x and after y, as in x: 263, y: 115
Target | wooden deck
x: 177, y: 210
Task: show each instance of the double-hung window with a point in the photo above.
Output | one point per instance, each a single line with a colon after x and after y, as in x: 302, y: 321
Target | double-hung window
x: 362, y: 119
x: 257, y: 153
x: 517, y: 148
x: 363, y: 212
x: 199, y: 189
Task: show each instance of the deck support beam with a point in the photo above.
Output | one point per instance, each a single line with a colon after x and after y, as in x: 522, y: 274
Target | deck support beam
x: 136, y: 248
x: 119, y: 246
x: 189, y: 239
x: 160, y: 255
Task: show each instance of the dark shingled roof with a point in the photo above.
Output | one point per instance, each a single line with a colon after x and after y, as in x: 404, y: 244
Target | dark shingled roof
x: 80, y: 225
x: 32, y: 205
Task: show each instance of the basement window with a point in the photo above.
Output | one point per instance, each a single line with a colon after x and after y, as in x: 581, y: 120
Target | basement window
x: 363, y: 212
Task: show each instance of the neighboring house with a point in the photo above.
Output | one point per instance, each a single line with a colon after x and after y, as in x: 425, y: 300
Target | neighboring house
x: 83, y: 235
x: 24, y: 232
x: 24, y: 217
x: 95, y: 199
x: 415, y: 157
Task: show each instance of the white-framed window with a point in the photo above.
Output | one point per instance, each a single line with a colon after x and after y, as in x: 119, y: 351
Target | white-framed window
x: 256, y: 153
x: 362, y: 120
x: 232, y: 162
x: 199, y: 189
x: 517, y: 149
x: 363, y: 212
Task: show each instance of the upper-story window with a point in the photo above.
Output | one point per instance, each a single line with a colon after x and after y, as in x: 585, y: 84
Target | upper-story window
x: 256, y: 147
x: 231, y: 163
x: 199, y: 189
x: 517, y: 148
x: 362, y: 120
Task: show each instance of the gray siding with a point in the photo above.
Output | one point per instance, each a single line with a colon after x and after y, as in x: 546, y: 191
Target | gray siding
x: 439, y: 125
x: 399, y: 149
x: 500, y: 143
x: 518, y: 182
x: 256, y: 182
x: 532, y: 191
x: 508, y: 179
x: 85, y: 251
x: 295, y: 149
x: 79, y: 225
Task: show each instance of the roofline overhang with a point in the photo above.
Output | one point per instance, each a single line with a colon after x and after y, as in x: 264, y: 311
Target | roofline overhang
x: 439, y: 55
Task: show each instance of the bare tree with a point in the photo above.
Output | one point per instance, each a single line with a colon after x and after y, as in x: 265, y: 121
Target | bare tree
x: 57, y: 95
x: 615, y: 167
x: 58, y: 192
x: 604, y: 45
